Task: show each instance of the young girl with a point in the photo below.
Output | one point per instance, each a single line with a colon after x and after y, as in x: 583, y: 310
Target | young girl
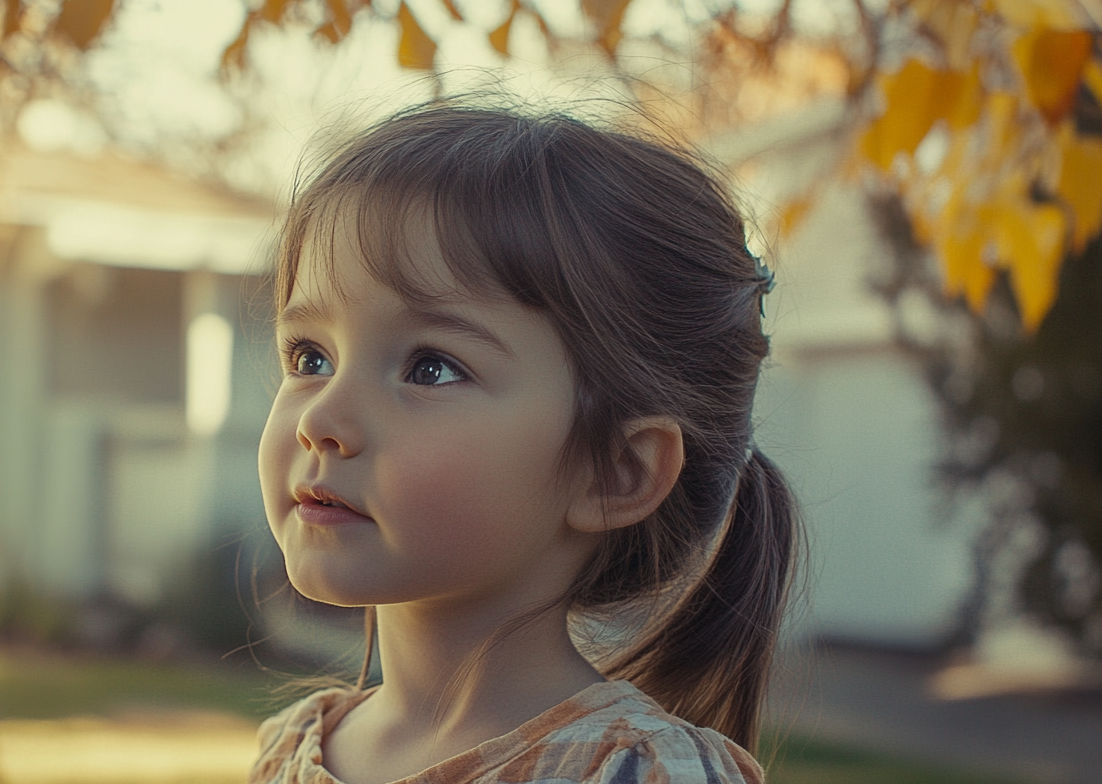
x: 519, y: 355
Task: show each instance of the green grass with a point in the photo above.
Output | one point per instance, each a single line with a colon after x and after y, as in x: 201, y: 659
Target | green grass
x: 50, y: 686
x: 800, y: 760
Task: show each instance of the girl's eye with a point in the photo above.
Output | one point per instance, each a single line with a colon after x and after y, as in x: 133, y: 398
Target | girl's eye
x: 430, y: 370
x: 312, y: 363
x: 303, y: 359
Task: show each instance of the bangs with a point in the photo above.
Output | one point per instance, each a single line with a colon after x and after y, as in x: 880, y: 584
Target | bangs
x: 480, y: 197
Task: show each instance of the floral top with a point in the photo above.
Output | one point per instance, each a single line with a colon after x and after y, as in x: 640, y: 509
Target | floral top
x: 609, y: 733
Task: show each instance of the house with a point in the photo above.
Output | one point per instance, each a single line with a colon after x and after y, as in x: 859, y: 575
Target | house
x: 843, y: 410
x: 133, y: 392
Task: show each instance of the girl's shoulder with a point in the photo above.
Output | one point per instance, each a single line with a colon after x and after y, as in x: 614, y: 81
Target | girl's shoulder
x: 297, y: 731
x: 628, y: 737
x: 610, y: 732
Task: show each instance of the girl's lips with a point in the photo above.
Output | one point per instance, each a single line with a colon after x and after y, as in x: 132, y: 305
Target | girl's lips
x: 314, y: 512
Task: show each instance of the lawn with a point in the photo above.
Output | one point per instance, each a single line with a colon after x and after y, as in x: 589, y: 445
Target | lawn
x: 36, y: 685
x: 803, y: 761
x: 52, y: 685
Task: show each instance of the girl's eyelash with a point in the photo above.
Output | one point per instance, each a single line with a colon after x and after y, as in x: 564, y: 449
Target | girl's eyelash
x: 428, y: 352
x: 291, y: 349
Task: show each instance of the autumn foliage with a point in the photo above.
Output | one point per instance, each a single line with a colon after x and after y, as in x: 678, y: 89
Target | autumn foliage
x: 983, y: 115
x: 990, y: 133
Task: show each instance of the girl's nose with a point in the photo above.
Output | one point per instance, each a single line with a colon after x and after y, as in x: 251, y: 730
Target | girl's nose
x: 331, y: 423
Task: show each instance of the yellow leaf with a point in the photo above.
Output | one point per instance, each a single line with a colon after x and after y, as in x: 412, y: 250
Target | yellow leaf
x: 329, y: 32
x: 415, y: 48
x: 960, y: 243
x: 544, y: 29
x: 1080, y: 183
x: 450, y: 5
x: 916, y: 97
x: 1030, y: 240
x: 1029, y: 14
x: 273, y: 10
x: 341, y: 19
x: 963, y: 98
x: 234, y: 54
x: 793, y: 214
x: 1003, y: 128
x: 82, y: 20
x: 923, y: 227
x: 13, y: 12
x: 1052, y: 62
x: 499, y: 37
x: 1092, y: 77
x: 953, y: 22
x: 606, y: 16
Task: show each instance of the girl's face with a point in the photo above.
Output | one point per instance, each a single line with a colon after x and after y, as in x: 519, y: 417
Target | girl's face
x: 411, y: 453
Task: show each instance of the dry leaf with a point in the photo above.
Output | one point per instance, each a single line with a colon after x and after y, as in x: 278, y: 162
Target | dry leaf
x: 13, y: 13
x: 916, y: 97
x: 1030, y: 14
x: 450, y: 5
x: 273, y: 10
x: 793, y: 214
x: 415, y: 48
x: 81, y: 21
x: 1080, y: 183
x: 499, y: 37
x: 606, y: 16
x: 234, y: 55
x: 1052, y: 62
x: 960, y: 240
x: 339, y: 16
x: 953, y: 23
x: 329, y: 32
x: 1030, y: 240
x: 1092, y: 78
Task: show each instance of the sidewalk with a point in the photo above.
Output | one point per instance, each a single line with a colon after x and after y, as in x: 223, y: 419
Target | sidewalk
x: 167, y: 747
x: 885, y: 701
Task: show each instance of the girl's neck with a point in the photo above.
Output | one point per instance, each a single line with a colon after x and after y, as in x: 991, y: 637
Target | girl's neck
x: 445, y: 671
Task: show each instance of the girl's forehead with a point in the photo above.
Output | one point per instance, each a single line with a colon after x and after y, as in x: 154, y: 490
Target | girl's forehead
x: 345, y: 251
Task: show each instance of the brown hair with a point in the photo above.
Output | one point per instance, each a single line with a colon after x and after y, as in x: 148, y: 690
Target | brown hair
x: 638, y: 257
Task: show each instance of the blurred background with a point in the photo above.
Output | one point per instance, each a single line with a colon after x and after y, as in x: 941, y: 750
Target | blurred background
x: 924, y: 176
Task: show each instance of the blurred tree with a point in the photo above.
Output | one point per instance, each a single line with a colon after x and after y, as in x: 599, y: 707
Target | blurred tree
x: 983, y: 115
x: 41, y: 43
x: 1023, y: 416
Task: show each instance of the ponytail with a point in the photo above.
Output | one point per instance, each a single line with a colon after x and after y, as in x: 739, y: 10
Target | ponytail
x: 708, y: 661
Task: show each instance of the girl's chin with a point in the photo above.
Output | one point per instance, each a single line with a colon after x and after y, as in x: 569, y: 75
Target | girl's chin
x: 326, y: 594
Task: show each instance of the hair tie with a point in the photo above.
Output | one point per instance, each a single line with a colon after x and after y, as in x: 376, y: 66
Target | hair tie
x: 766, y: 280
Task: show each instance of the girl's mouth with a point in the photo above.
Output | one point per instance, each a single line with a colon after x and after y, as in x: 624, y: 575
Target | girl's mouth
x: 319, y: 506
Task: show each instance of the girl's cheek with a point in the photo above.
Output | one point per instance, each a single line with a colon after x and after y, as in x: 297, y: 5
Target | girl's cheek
x: 273, y: 455
x: 456, y: 488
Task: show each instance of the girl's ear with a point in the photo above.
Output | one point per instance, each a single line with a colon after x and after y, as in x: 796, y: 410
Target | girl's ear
x: 644, y: 473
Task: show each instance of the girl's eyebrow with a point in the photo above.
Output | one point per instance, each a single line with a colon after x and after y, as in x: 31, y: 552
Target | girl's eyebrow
x: 425, y: 318
x: 302, y: 312
x: 446, y: 321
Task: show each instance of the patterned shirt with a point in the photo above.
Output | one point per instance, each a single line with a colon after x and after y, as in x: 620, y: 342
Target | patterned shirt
x: 609, y: 733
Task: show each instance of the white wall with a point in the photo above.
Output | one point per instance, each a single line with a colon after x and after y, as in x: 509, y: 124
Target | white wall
x: 850, y: 419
